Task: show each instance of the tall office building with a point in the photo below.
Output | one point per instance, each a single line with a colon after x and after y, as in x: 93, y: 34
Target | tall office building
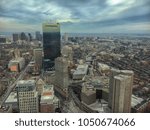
x: 27, y: 96
x: 38, y: 57
x: 51, y: 44
x: 23, y: 36
x: 114, y: 72
x: 40, y: 86
x: 15, y: 37
x: 3, y: 39
x: 38, y: 36
x: 128, y: 90
x: 120, y: 90
x: 119, y: 93
x: 17, y: 53
x: 29, y: 37
x: 65, y: 37
x: 61, y: 73
x: 67, y: 53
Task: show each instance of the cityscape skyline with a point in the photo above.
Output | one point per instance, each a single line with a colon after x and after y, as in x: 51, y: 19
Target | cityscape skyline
x: 94, y: 74
x: 80, y: 16
x: 62, y: 56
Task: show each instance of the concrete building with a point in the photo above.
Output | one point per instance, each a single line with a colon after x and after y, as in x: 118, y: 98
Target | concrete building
x: 2, y: 89
x: 49, y: 102
x: 23, y: 36
x: 15, y: 37
x: 38, y: 57
x: 6, y: 109
x: 88, y: 94
x: 27, y: 96
x: 80, y: 72
x: 38, y: 36
x: 29, y: 37
x: 16, y: 65
x: 3, y: 39
x: 120, y: 90
x: 89, y: 60
x: 65, y: 37
x: 103, y: 68
x: 17, y: 53
x: 140, y: 105
x: 67, y: 53
x: 40, y: 86
x: 114, y: 72
x: 61, y: 73
x: 31, y: 67
x: 128, y: 90
x: 119, y: 93
x: 12, y: 101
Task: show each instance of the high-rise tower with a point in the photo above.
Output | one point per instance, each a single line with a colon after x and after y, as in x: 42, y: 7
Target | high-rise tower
x: 51, y: 44
x: 38, y: 57
x: 62, y: 74
x: 120, y: 90
x: 27, y: 96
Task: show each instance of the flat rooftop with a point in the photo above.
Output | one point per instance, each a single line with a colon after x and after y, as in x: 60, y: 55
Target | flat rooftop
x: 136, y: 100
x: 81, y: 69
x: 48, y: 93
x: 29, y: 82
x: 17, y: 59
x: 11, y: 98
x: 101, y: 107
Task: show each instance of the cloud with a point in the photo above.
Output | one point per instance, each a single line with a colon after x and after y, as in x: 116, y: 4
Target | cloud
x: 119, y: 2
x: 74, y: 16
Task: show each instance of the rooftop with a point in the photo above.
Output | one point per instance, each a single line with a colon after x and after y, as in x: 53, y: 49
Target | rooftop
x: 38, y: 49
x: 17, y: 59
x: 40, y: 81
x: 48, y: 93
x: 81, y: 69
x: 5, y: 109
x: 88, y: 90
x: 99, y: 106
x: 136, y: 100
x: 12, y: 97
x: 29, y: 82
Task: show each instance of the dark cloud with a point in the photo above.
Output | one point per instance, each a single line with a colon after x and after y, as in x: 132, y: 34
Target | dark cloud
x: 77, y: 15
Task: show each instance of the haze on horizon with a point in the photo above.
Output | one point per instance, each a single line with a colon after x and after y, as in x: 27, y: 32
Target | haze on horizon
x: 76, y: 16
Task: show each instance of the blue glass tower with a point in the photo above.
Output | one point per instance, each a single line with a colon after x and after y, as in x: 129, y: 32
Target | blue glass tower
x: 51, y: 44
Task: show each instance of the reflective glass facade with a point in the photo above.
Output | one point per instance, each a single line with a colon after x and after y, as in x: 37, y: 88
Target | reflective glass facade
x: 51, y: 43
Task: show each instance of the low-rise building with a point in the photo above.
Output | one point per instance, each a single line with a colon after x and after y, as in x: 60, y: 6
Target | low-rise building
x: 3, y: 39
x: 140, y: 105
x: 12, y: 101
x: 16, y: 65
x: 49, y: 102
x: 80, y: 72
x: 6, y: 109
x: 40, y: 86
x: 88, y: 94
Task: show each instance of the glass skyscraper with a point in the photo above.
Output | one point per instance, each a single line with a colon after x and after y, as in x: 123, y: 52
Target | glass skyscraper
x: 51, y: 44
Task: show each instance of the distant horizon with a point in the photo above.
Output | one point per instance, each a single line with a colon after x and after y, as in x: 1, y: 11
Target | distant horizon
x: 148, y: 33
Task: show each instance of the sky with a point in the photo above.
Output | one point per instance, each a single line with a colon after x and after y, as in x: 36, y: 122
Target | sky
x: 76, y: 16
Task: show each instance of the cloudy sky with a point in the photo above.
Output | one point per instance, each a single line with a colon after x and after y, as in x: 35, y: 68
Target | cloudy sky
x: 84, y: 16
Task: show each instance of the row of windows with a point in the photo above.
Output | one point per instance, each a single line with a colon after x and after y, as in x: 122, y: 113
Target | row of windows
x: 27, y: 101
x: 26, y: 94
x: 29, y: 110
x: 27, y: 106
